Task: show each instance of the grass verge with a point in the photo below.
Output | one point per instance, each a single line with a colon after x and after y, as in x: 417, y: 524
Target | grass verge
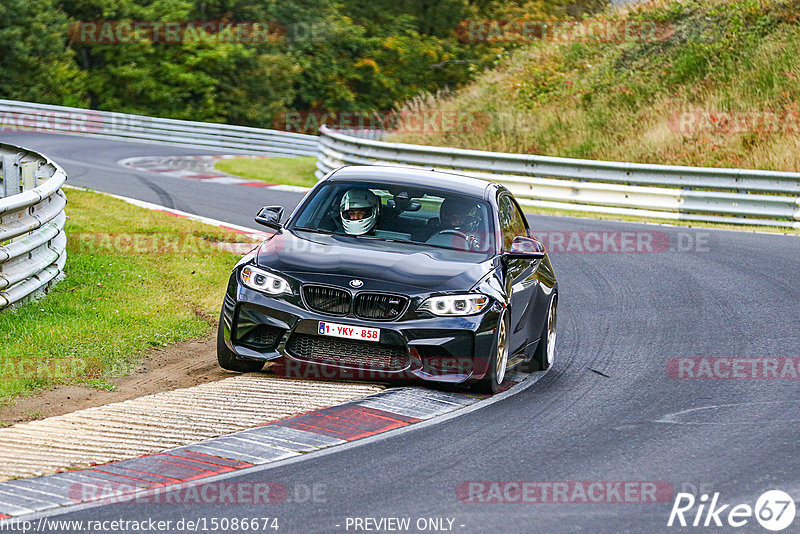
x: 135, y: 279
x: 273, y: 170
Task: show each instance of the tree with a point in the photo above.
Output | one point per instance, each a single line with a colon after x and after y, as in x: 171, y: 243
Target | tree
x: 35, y: 64
x: 204, y: 77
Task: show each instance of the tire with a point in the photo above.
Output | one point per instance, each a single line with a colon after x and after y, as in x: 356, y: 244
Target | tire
x: 228, y: 360
x: 499, y: 360
x: 546, y: 349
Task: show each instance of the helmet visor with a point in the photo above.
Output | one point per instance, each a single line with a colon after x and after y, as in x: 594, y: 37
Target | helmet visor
x: 356, y: 214
x: 454, y: 219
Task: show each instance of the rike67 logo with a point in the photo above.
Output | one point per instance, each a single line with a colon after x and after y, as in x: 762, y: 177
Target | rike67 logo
x: 774, y: 510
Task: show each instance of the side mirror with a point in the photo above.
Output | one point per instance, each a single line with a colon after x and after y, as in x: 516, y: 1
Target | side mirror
x: 270, y: 216
x: 525, y: 248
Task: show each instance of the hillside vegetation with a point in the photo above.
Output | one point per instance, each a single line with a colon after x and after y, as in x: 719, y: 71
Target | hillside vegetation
x: 317, y: 55
x: 719, y: 86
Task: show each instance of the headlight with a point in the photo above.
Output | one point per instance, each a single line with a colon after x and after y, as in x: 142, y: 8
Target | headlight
x: 261, y: 280
x: 455, y: 304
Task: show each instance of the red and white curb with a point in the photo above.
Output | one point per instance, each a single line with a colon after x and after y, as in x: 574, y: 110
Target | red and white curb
x: 200, y: 169
x: 279, y: 440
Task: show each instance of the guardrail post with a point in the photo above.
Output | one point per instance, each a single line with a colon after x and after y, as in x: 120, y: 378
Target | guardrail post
x: 11, y: 176
x: 29, y: 178
x: 28, y: 181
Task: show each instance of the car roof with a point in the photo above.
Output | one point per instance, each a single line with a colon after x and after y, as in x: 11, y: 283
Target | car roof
x: 456, y: 183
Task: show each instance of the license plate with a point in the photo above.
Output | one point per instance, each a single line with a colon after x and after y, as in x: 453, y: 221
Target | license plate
x: 349, y: 332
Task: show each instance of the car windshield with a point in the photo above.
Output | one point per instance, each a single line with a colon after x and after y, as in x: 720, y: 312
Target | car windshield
x: 417, y: 215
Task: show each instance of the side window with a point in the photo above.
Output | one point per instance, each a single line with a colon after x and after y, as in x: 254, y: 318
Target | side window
x: 512, y: 222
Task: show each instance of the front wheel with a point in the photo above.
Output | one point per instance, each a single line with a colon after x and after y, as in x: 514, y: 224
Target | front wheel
x: 228, y: 360
x: 546, y: 349
x: 498, y: 362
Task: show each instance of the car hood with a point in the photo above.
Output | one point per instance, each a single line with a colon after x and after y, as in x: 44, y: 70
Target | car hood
x: 319, y: 257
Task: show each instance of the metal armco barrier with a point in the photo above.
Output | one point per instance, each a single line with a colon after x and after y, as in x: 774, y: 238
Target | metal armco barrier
x: 738, y: 196
x: 32, y: 239
x: 26, y: 116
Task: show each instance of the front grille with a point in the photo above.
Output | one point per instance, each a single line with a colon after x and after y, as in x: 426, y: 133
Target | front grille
x: 327, y: 299
x: 347, y: 352
x: 262, y: 337
x: 379, y: 305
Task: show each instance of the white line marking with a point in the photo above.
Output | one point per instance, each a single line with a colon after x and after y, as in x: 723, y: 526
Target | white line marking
x: 670, y: 417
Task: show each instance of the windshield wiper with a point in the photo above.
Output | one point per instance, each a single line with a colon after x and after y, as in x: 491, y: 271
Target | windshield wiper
x: 378, y: 238
x: 395, y: 240
x: 314, y: 230
x: 409, y: 242
x: 390, y: 239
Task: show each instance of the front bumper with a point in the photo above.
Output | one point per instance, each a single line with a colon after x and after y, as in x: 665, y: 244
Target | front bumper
x: 437, y: 349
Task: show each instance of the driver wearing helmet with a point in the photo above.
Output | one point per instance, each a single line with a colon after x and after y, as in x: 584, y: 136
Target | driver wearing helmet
x: 464, y: 217
x: 359, y: 211
x: 453, y: 214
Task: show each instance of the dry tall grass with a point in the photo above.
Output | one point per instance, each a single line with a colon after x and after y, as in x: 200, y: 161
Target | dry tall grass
x: 722, y: 89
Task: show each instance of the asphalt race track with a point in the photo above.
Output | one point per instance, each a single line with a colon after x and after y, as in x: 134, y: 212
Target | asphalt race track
x: 92, y: 162
x: 607, y: 411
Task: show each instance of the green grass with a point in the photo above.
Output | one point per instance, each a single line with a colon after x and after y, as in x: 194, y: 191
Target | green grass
x: 620, y: 101
x: 135, y: 279
x: 286, y: 171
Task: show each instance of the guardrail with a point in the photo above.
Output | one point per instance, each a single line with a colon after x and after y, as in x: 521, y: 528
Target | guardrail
x: 27, y: 116
x: 738, y: 196
x: 32, y: 239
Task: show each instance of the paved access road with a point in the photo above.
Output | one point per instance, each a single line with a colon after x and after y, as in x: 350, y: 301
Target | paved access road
x: 608, y: 411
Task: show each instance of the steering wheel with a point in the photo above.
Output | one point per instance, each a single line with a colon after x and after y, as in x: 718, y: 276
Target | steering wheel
x: 454, y: 233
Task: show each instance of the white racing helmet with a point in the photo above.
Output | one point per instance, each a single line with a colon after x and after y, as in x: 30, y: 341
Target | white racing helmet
x: 359, y: 211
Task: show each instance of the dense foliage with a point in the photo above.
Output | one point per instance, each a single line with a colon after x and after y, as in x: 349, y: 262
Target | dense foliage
x: 331, y: 55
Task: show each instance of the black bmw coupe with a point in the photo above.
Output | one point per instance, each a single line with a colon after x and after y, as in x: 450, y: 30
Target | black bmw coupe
x: 390, y: 273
